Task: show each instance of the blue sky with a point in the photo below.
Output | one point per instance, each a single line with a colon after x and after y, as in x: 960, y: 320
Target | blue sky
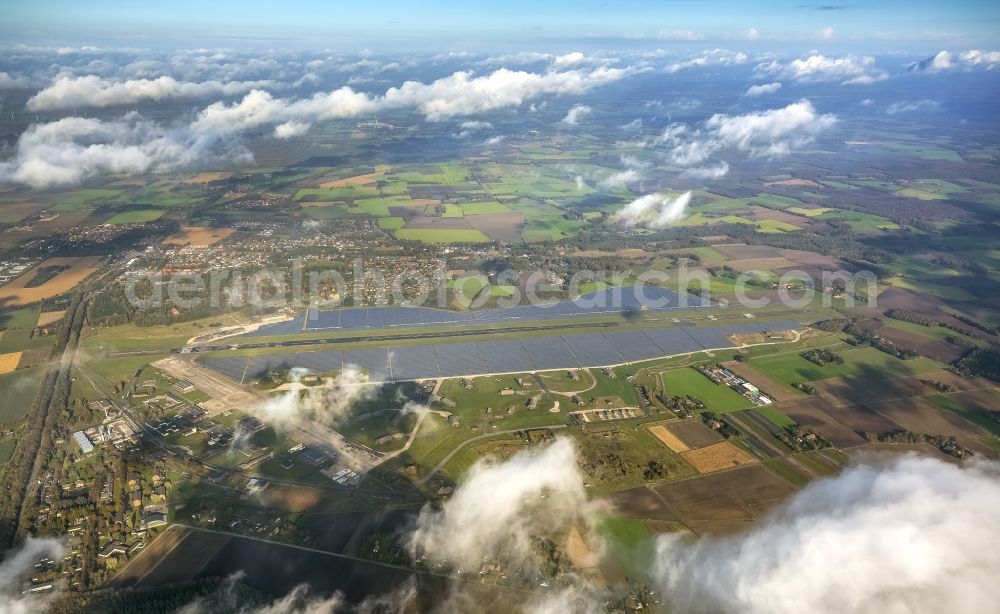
x: 870, y: 26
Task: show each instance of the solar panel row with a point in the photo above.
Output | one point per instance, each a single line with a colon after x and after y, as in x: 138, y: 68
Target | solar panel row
x: 609, y: 301
x: 500, y: 356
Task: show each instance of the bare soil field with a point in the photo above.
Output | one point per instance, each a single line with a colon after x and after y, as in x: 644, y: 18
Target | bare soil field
x: 33, y: 358
x: 668, y: 439
x: 716, y: 457
x: 291, y: 498
x: 15, y: 293
x: 499, y: 226
x: 874, y: 389
x: 198, y: 235
x: 427, y: 222
x: 414, y: 210
x: 935, y: 348
x: 739, y: 251
x: 900, y: 298
x: 778, y: 391
x: 810, y: 412
x: 764, y: 264
x: 921, y: 416
x: 805, y: 183
x: 725, y: 502
x: 642, y: 503
x: 579, y: 552
x: 694, y: 434
x: 14, y: 212
x: 49, y: 317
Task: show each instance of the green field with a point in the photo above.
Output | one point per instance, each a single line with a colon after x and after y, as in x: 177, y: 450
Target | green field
x: 939, y: 333
x: 18, y: 390
x: 775, y: 416
x: 792, y: 368
x: 136, y: 216
x: 972, y: 415
x: 439, y: 235
x: 76, y: 199
x: 716, y: 397
x: 484, y: 207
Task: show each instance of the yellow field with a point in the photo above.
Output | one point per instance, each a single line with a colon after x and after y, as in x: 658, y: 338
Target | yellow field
x: 15, y: 294
x: 202, y: 178
x: 9, y: 362
x: 380, y: 170
x: 716, y: 457
x: 198, y: 235
x: 668, y: 439
x: 44, y: 319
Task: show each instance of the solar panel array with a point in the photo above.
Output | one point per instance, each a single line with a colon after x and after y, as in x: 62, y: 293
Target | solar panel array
x: 609, y: 301
x: 424, y: 361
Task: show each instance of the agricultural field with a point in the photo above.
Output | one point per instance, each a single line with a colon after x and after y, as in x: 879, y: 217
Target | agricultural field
x: 791, y: 368
x: 717, y: 457
x: 716, y: 397
x: 198, y: 235
x: 18, y: 390
x: 18, y: 292
x: 726, y: 501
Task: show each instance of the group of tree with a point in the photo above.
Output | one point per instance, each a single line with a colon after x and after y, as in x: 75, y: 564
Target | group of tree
x: 36, y: 442
x: 719, y: 424
x: 802, y: 438
x: 981, y: 361
x: 823, y: 357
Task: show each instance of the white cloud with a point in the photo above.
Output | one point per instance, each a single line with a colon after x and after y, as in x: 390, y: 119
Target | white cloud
x: 11, y: 82
x: 93, y: 91
x: 475, y: 125
x: 325, y: 404
x: 751, y: 34
x: 458, y: 94
x: 575, y: 114
x: 848, y: 70
x: 655, y: 210
x: 967, y: 60
x: 915, y: 536
x: 620, y: 179
x: 773, y: 132
x: 825, y: 33
x: 632, y: 126
x: 983, y: 59
x: 497, y: 509
x: 707, y: 172
x: 711, y: 57
x: 570, y: 58
x: 679, y: 35
x: 760, y: 90
x: 18, y: 564
x: 71, y: 149
x: 291, y: 129
x: 906, y: 106
x: 867, y: 102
